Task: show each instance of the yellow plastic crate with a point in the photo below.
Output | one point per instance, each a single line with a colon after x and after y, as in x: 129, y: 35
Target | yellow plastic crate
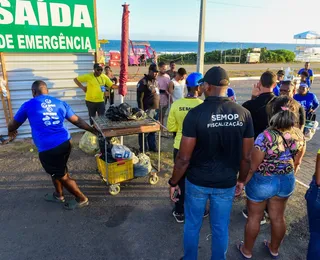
x: 117, y: 171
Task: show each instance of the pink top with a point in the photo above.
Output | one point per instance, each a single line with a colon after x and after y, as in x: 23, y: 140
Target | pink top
x: 163, y: 81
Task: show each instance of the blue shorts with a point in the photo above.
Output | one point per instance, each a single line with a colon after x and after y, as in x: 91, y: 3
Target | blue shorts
x: 261, y: 188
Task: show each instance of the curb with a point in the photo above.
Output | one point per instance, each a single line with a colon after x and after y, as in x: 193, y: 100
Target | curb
x: 231, y: 79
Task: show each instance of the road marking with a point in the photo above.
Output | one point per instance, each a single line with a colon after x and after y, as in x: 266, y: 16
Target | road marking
x: 303, y: 184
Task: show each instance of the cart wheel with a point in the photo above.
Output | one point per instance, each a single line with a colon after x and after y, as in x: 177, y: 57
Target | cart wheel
x: 114, y: 189
x: 153, y: 179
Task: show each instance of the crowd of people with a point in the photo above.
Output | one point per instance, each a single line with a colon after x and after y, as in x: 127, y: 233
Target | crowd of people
x: 220, y: 147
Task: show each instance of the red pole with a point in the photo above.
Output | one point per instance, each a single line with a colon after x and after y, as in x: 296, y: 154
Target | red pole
x: 124, y: 51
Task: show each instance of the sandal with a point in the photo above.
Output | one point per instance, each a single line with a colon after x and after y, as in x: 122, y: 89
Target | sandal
x: 239, y: 246
x: 266, y: 244
x: 53, y: 198
x: 73, y: 204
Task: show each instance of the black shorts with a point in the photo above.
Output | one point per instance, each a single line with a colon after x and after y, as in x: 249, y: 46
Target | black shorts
x: 55, y: 161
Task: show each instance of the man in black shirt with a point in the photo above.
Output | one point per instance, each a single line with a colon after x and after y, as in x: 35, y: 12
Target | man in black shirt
x: 258, y: 105
x: 148, y: 98
x: 262, y: 96
x: 216, y: 144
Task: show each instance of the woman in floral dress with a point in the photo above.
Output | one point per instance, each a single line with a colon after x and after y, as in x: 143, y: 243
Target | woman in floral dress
x: 276, y: 158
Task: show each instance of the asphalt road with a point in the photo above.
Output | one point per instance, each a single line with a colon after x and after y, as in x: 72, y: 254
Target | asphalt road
x: 136, y: 224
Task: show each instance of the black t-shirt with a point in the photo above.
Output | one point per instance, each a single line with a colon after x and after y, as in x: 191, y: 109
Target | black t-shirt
x: 219, y: 125
x: 258, y: 110
x: 148, y: 93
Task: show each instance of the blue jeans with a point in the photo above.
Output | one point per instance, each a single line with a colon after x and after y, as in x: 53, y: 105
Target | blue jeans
x: 261, y: 188
x: 149, y: 138
x: 220, y: 208
x: 313, y: 207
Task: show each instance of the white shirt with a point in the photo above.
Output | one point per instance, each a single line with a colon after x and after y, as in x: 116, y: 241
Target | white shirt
x: 179, y: 90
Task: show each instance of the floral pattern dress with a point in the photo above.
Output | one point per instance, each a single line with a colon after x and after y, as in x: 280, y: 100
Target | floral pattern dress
x: 278, y: 157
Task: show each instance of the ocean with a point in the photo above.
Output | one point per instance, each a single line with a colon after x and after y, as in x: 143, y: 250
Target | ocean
x: 187, y: 47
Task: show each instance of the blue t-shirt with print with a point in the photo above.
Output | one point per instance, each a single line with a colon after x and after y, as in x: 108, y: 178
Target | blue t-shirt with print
x: 308, y: 101
x: 310, y: 72
x: 46, y: 116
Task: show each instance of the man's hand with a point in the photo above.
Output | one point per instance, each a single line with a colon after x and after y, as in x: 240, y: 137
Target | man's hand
x: 172, y: 192
x: 239, y: 188
x: 12, y: 135
x: 256, y: 89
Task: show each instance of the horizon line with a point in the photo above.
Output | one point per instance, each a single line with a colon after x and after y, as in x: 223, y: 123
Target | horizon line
x: 215, y: 41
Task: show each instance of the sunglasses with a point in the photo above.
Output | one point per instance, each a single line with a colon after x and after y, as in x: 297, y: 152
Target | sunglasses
x: 99, y: 69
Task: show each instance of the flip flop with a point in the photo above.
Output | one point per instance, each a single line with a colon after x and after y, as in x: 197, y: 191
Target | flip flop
x: 73, y: 204
x: 266, y: 245
x: 53, y: 198
x: 239, y: 246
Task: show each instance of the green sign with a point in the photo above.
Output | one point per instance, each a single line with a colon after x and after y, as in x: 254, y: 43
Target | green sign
x: 47, y: 26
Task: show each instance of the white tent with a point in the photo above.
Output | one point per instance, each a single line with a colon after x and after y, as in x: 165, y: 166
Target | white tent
x: 308, y: 35
x: 307, y: 52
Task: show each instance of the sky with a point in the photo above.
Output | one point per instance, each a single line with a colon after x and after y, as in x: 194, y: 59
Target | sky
x: 267, y: 21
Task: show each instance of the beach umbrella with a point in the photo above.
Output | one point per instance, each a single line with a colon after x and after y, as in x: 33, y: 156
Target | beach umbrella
x: 124, y: 52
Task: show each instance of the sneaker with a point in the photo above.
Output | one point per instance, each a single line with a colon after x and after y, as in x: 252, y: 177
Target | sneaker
x: 266, y: 214
x: 263, y: 221
x: 178, y: 217
x: 206, y: 214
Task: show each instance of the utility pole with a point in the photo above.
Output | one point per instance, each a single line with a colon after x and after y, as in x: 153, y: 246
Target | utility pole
x: 200, y: 56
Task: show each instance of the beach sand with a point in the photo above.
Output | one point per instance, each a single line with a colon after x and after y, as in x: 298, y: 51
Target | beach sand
x: 235, y: 70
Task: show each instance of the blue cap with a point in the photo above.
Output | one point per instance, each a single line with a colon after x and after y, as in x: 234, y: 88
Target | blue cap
x: 304, y: 85
x: 193, y: 79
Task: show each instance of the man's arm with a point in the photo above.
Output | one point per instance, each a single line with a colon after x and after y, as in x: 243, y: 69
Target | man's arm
x: 172, y: 122
x: 246, y: 159
x: 79, y: 122
x: 79, y: 84
x: 171, y: 88
x: 183, y: 158
x: 315, y: 103
x: 109, y: 83
x: 140, y: 96
x: 13, y: 126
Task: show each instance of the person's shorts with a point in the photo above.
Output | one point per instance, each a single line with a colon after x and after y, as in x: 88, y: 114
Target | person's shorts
x: 55, y: 161
x: 261, y: 188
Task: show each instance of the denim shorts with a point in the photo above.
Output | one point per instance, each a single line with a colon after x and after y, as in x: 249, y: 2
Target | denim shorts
x: 261, y: 188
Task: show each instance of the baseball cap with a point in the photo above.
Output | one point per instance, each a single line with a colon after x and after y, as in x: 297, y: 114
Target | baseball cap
x: 304, y: 85
x: 153, y: 67
x: 216, y: 76
x: 97, y: 66
x: 193, y: 79
x: 281, y: 72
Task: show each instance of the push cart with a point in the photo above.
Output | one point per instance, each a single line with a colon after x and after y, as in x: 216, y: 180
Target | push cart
x: 115, y: 173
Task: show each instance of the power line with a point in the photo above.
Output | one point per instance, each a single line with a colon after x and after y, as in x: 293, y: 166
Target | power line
x: 245, y: 6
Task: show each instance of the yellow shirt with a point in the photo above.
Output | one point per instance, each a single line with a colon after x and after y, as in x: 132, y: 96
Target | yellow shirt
x: 95, y: 86
x: 178, y: 112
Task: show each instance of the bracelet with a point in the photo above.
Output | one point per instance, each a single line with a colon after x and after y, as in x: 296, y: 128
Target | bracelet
x: 171, y: 184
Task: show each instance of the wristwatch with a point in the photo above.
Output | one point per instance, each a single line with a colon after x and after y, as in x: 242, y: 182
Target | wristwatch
x: 171, y: 184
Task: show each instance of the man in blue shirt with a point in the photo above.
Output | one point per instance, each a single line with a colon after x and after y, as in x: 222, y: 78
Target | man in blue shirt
x: 304, y: 78
x: 232, y: 94
x: 280, y: 78
x: 308, y: 100
x: 307, y: 69
x: 46, y: 116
